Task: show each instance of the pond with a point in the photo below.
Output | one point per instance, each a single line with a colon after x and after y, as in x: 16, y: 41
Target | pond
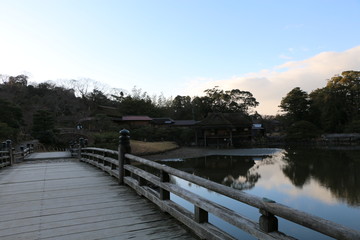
x: 322, y: 182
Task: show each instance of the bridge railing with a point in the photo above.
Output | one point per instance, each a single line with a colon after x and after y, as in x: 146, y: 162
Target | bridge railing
x: 8, y: 155
x: 24, y: 151
x: 5, y: 159
x: 154, y: 182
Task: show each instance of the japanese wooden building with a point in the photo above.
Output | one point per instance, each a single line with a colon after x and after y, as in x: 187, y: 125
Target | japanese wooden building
x: 223, y: 129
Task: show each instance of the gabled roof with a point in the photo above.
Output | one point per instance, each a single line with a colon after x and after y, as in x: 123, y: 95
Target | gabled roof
x: 214, y: 119
x: 162, y: 121
x: 185, y: 122
x: 225, y: 119
x: 136, y: 118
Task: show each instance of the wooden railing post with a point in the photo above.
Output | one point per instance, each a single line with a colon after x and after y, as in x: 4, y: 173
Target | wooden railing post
x: 267, y: 221
x: 11, y: 152
x: 201, y: 216
x: 164, y: 177
x: 124, y: 147
x: 81, y: 145
x: 22, y: 150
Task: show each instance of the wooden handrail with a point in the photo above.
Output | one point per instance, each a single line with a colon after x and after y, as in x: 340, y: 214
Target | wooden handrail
x: 20, y: 155
x: 5, y: 159
x: 137, y: 178
x: 7, y: 154
x: 9, y: 157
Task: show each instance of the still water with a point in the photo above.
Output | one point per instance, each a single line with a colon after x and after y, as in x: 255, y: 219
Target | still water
x: 323, y: 182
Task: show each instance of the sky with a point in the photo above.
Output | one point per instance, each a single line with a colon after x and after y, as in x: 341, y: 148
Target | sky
x: 182, y: 47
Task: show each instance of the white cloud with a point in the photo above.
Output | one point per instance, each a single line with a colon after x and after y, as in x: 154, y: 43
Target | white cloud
x: 269, y: 86
x: 283, y: 56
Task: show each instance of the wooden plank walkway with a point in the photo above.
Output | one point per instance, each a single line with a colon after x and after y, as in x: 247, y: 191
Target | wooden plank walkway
x: 66, y: 199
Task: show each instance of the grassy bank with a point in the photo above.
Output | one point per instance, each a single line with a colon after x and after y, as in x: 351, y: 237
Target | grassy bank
x: 145, y: 148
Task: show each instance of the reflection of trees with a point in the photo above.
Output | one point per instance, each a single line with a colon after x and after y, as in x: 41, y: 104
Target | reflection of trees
x: 250, y: 178
x: 339, y: 171
x: 242, y: 182
x: 240, y: 172
x: 298, y: 171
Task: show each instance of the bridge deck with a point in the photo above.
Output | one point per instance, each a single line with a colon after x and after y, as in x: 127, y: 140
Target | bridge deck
x: 66, y: 199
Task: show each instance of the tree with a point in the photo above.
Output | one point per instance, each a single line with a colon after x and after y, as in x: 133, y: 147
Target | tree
x: 346, y: 87
x: 10, y: 114
x: 97, y: 97
x: 353, y: 127
x: 338, y: 103
x: 202, y: 106
x: 6, y: 132
x: 302, y: 130
x: 327, y: 110
x: 296, y: 105
x: 137, y: 106
x: 182, y: 107
x: 233, y: 100
x: 20, y: 80
x: 44, y: 127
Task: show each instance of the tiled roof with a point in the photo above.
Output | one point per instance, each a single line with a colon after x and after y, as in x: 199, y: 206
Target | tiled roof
x: 136, y: 118
x: 162, y: 121
x: 225, y: 119
x: 185, y: 122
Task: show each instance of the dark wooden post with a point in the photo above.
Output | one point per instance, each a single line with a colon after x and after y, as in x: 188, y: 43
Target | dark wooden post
x: 124, y: 147
x: 164, y: 177
x: 11, y: 153
x: 201, y: 216
x: 267, y: 221
x: 141, y: 181
x: 22, y: 150
x: 81, y: 145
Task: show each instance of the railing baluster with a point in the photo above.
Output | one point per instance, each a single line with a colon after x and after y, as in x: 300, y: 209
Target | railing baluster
x: 11, y: 152
x: 124, y: 147
x: 164, y: 177
x: 141, y: 181
x: 201, y: 216
x: 267, y: 221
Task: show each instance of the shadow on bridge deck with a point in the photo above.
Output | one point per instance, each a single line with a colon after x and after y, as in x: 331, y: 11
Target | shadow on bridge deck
x: 66, y: 199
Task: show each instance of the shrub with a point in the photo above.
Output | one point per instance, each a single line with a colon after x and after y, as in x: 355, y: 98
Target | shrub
x: 179, y: 135
x: 353, y: 127
x: 109, y: 140
x: 302, y: 130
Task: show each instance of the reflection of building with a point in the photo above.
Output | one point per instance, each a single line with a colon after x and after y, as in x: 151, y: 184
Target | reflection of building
x: 224, y: 129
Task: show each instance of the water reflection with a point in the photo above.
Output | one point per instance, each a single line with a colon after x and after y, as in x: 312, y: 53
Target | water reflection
x: 319, y: 171
x: 233, y: 171
x: 322, y: 182
x: 337, y: 171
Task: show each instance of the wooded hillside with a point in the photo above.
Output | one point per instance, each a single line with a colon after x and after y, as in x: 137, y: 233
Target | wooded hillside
x: 46, y: 110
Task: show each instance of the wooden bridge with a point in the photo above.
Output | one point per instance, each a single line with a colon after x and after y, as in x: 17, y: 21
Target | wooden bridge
x: 64, y: 198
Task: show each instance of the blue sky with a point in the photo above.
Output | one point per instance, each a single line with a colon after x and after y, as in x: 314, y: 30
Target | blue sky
x: 183, y: 47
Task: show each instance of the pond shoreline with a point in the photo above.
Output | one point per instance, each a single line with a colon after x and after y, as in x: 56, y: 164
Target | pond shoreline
x: 191, y: 152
